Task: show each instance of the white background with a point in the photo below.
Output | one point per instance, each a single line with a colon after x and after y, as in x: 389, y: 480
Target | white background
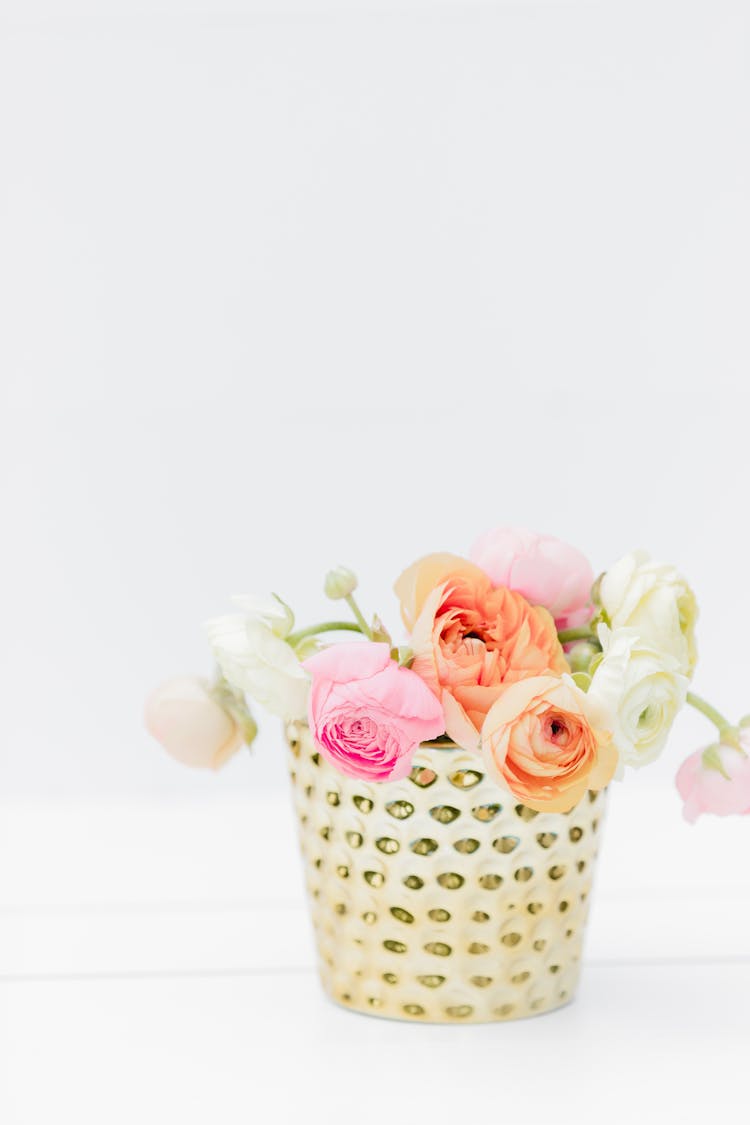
x: 286, y: 285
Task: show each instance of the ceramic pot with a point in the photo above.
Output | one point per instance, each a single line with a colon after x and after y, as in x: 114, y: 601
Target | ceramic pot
x: 439, y: 898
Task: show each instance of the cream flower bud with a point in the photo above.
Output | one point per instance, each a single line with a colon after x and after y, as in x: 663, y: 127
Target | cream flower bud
x: 185, y: 717
x: 340, y: 583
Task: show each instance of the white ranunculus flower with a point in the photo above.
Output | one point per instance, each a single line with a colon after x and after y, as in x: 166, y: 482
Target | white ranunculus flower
x: 654, y: 599
x: 635, y: 693
x: 276, y: 614
x: 256, y: 660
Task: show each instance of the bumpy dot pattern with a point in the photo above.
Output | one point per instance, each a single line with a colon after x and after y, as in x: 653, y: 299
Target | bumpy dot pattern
x: 439, y: 898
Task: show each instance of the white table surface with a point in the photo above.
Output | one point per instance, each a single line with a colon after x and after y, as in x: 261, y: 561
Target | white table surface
x: 156, y: 965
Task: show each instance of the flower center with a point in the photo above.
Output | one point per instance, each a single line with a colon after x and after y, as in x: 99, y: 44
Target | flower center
x: 557, y: 731
x: 646, y: 717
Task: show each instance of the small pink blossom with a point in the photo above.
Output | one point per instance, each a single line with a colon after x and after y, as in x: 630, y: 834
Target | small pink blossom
x: 191, y: 725
x: 706, y: 790
x: 543, y: 569
x: 368, y: 714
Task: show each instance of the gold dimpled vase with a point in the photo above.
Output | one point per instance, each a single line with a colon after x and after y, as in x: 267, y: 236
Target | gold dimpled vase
x: 439, y: 898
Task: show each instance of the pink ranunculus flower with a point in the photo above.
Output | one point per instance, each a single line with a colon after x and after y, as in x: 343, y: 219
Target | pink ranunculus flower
x: 191, y: 724
x: 545, y: 570
x: 706, y: 790
x: 368, y: 714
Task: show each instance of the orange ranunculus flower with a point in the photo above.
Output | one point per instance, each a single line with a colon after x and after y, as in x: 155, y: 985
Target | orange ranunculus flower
x: 470, y: 638
x: 419, y: 580
x: 538, y: 743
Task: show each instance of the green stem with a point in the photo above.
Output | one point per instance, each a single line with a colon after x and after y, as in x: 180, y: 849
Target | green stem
x: 710, y: 712
x: 323, y: 627
x: 363, y: 626
x: 565, y: 636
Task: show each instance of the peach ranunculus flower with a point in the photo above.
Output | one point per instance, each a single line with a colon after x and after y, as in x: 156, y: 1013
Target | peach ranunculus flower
x: 469, y: 639
x: 538, y: 743
x: 418, y: 581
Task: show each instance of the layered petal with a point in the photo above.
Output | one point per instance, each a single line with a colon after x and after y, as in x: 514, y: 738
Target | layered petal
x: 538, y: 743
x: 545, y: 570
x: 419, y: 580
x: 257, y: 661
x: 636, y: 692
x: 653, y: 598
x: 470, y: 639
x: 368, y: 714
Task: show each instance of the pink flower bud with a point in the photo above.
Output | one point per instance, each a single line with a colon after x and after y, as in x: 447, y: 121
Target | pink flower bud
x: 543, y: 569
x: 708, y: 790
x: 185, y: 718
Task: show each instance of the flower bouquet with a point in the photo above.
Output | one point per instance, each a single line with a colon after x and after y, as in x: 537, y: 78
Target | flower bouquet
x: 450, y: 788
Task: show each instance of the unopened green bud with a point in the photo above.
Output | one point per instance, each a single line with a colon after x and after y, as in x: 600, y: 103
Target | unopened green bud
x: 340, y: 583
x: 581, y: 655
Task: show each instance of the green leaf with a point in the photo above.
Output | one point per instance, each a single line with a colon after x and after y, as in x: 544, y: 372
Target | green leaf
x: 289, y: 624
x: 379, y: 631
x: 712, y: 761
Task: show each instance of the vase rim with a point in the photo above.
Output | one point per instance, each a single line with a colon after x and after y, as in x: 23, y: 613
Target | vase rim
x: 447, y: 744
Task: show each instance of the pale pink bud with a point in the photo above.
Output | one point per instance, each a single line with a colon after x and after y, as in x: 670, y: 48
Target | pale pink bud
x: 723, y: 792
x: 191, y: 725
x: 543, y: 569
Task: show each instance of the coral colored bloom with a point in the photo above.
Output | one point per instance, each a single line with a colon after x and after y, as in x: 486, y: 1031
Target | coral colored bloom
x: 469, y: 639
x: 418, y: 581
x: 707, y: 790
x: 545, y: 570
x: 538, y: 743
x: 191, y: 725
x: 368, y: 714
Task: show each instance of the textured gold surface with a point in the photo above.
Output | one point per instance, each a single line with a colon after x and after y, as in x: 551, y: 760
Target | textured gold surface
x: 438, y: 898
